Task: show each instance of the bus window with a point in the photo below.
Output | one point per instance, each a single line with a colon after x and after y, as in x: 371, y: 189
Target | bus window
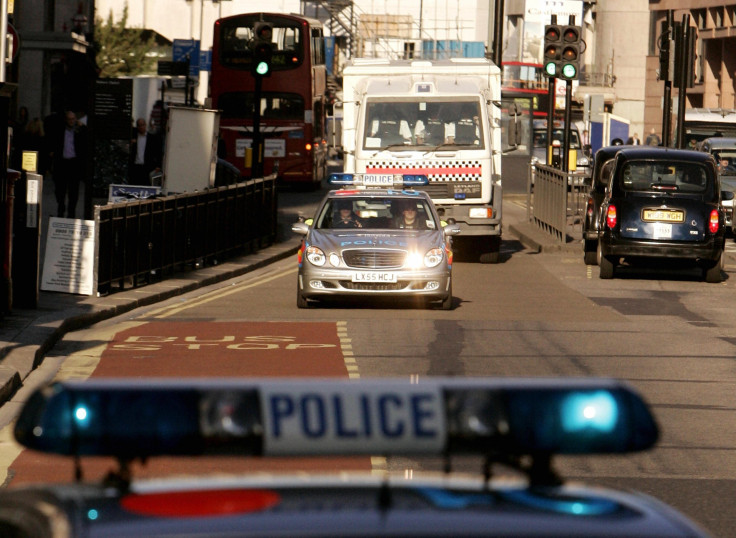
x: 236, y: 41
x: 273, y: 106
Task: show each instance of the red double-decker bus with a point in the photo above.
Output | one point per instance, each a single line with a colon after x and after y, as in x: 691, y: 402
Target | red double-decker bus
x: 292, y: 102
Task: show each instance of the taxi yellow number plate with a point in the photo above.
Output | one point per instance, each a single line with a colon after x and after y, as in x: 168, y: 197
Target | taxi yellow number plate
x: 663, y: 215
x: 378, y: 180
x: 373, y: 276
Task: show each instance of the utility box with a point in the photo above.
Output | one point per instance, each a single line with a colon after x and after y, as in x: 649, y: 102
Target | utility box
x: 190, y: 156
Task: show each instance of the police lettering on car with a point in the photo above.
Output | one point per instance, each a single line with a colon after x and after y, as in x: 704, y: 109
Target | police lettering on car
x: 331, y: 421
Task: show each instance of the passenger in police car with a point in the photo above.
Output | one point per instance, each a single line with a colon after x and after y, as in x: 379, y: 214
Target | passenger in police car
x: 407, y: 216
x: 345, y: 217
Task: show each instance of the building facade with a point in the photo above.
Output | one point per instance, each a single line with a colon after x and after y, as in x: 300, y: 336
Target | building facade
x: 714, y: 22
x: 54, y: 68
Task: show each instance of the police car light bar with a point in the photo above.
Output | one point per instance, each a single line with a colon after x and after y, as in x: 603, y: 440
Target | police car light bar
x: 379, y: 180
x: 132, y: 419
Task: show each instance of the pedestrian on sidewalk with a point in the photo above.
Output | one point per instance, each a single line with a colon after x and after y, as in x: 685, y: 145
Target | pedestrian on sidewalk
x: 68, y: 157
x: 146, y: 154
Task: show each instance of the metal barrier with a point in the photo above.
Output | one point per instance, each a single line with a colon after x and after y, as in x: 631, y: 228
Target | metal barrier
x: 149, y: 240
x: 556, y: 199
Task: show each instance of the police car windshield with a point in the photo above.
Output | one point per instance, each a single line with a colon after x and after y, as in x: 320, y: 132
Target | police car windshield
x: 422, y: 123
x: 375, y: 213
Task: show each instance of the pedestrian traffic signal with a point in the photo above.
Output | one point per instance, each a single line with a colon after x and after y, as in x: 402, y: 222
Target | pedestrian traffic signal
x: 570, y: 62
x: 552, y: 49
x: 262, y: 49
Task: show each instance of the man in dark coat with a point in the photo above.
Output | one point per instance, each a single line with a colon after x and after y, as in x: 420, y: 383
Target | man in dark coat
x: 146, y: 154
x: 68, y: 152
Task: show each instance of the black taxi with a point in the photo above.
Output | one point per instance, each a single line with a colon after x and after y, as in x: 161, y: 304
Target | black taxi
x: 662, y: 203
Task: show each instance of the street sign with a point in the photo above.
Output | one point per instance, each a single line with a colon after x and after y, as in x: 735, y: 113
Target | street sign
x: 205, y: 60
x: 187, y: 49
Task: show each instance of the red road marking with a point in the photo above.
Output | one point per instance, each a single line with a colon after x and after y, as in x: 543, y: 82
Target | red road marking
x: 214, y: 349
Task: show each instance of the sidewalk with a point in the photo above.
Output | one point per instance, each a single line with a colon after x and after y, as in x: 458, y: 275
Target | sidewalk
x: 26, y: 335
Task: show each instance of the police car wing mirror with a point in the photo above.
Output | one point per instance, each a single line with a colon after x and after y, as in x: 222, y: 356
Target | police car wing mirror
x: 301, y: 228
x: 450, y: 229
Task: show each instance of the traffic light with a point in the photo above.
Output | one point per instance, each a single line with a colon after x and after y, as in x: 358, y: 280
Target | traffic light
x: 552, y: 49
x: 570, y: 61
x: 262, y: 49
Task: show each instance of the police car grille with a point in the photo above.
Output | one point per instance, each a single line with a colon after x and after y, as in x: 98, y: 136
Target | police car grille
x: 374, y: 259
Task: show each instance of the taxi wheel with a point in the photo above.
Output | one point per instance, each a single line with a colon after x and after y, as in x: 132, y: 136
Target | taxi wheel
x: 607, y: 268
x: 712, y: 275
x: 590, y: 256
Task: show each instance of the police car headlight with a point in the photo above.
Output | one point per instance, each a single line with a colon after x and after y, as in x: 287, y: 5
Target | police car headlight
x: 316, y: 256
x: 413, y: 261
x: 433, y: 258
x: 334, y: 260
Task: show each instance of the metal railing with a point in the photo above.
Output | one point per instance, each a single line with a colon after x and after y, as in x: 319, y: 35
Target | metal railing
x: 145, y: 241
x: 556, y: 199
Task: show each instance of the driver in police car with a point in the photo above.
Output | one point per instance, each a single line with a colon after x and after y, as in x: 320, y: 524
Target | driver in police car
x: 346, y: 217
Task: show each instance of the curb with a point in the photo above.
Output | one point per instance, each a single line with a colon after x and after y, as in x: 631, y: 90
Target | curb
x: 537, y: 241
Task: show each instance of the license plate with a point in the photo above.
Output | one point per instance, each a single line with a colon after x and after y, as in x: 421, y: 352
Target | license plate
x: 663, y: 215
x: 372, y: 276
x: 378, y: 180
x: 662, y: 230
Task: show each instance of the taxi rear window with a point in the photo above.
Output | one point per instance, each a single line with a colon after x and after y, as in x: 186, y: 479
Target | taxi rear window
x: 646, y: 176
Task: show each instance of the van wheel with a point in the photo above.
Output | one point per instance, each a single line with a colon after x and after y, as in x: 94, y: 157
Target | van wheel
x: 492, y: 254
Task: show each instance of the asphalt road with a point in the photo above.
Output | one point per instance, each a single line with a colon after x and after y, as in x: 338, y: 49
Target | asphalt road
x: 666, y: 332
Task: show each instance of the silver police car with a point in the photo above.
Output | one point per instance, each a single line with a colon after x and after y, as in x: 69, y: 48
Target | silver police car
x: 375, y: 238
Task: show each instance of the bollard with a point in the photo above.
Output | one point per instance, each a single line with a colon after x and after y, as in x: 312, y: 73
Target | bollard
x: 27, y: 240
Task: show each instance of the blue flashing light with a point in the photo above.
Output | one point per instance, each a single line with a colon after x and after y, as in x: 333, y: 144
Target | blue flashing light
x: 81, y: 414
x: 341, y: 179
x: 415, y: 179
x: 589, y: 411
x: 92, y: 514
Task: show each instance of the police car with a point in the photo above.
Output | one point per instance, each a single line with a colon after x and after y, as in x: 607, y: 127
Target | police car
x: 514, y: 423
x: 376, y: 238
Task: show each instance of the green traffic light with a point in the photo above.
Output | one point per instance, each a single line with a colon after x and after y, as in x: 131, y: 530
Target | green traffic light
x: 550, y: 69
x: 569, y: 71
x: 262, y: 68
